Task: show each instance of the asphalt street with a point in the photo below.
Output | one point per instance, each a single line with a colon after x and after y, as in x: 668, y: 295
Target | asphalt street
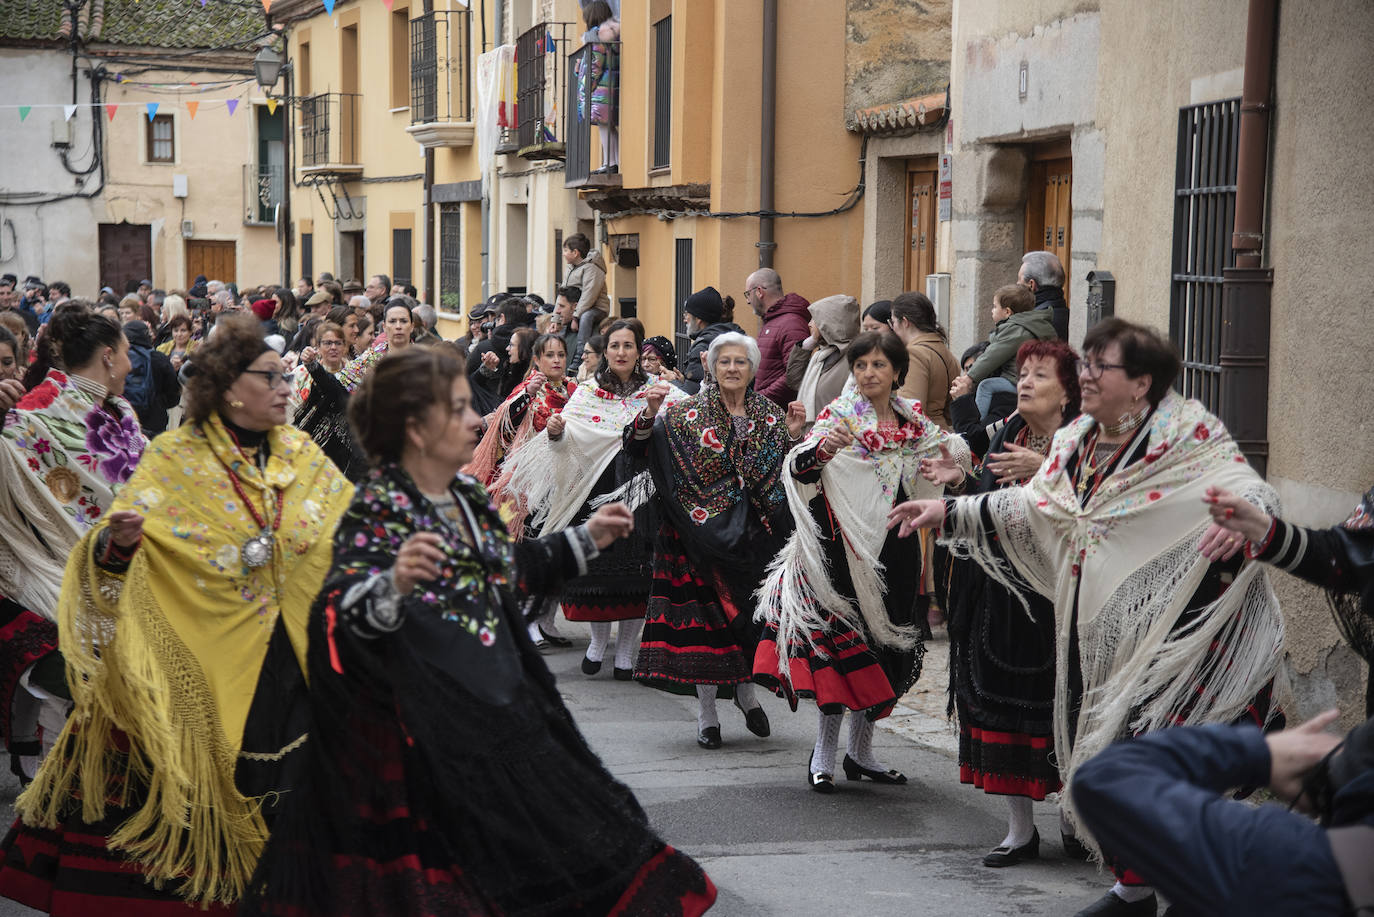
x: 774, y: 847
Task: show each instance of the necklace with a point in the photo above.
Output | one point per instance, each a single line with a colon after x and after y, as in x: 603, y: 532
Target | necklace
x: 1092, y: 469
x: 1039, y: 443
x: 257, y: 551
x: 1127, y: 422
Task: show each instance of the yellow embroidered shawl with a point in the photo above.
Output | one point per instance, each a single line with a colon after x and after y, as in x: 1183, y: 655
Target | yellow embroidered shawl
x: 170, y: 652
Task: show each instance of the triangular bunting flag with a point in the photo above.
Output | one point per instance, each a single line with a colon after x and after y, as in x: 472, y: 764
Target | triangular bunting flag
x: 267, y: 6
x: 191, y: 107
x: 24, y: 111
x: 233, y: 104
x: 152, y: 110
x: 111, y: 109
x: 329, y: 7
x: 271, y: 106
x: 68, y: 111
x: 387, y: 4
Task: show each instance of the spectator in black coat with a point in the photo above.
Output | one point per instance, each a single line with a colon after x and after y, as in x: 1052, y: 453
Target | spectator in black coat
x: 493, y: 354
x: 152, y: 386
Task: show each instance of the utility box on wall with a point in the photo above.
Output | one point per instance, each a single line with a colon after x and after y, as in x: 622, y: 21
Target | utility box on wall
x: 937, y: 291
x: 1101, y: 296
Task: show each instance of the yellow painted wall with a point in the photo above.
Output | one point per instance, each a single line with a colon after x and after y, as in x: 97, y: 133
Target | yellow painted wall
x: 210, y: 150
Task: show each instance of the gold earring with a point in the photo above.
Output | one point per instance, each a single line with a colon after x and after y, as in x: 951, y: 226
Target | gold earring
x: 235, y: 403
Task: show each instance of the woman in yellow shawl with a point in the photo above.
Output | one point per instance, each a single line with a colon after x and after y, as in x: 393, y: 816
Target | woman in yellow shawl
x: 182, y: 619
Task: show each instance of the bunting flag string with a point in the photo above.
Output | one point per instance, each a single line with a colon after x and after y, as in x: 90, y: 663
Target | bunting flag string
x: 151, y: 109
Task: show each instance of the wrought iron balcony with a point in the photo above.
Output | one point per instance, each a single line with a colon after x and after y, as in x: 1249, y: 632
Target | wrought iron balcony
x: 595, y: 64
x: 441, y: 80
x: 539, y: 81
x: 264, y: 187
x: 329, y: 133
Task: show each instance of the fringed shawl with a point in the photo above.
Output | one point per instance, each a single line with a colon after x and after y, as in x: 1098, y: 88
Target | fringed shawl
x: 1128, y: 562
x: 552, y: 479
x: 170, y: 652
x: 860, y: 484
x: 63, y: 457
x: 503, y: 437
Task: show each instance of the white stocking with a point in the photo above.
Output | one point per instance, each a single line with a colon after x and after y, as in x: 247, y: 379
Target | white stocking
x: 601, y: 635
x: 827, y: 740
x: 627, y: 642
x: 745, y: 698
x: 861, y: 741
x: 1020, y: 822
x: 1130, y: 893
x: 706, y: 707
x: 548, y: 621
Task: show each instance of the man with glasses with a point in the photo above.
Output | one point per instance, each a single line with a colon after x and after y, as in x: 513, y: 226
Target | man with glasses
x: 784, y: 322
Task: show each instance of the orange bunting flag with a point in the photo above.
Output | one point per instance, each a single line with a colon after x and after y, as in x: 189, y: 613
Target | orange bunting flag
x: 388, y: 4
x: 267, y: 6
x: 191, y: 107
x: 111, y: 109
x: 271, y: 106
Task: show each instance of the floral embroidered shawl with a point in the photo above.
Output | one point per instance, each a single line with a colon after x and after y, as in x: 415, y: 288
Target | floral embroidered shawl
x: 860, y: 484
x: 554, y: 478
x: 1124, y: 565
x: 170, y: 652
x: 504, y: 438
x: 63, y: 457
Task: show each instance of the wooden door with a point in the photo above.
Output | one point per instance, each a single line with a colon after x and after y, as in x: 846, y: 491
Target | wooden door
x: 1049, y: 211
x: 126, y: 254
x: 216, y: 260
x: 921, y: 201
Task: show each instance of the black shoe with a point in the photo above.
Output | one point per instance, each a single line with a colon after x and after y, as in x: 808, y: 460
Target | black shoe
x: 756, y: 721
x: 589, y: 667
x: 709, y: 737
x: 1010, y: 856
x: 819, y: 781
x: 623, y: 674
x: 855, y: 771
x: 553, y: 640
x: 1112, y: 905
x: 1075, y: 849
x: 542, y: 647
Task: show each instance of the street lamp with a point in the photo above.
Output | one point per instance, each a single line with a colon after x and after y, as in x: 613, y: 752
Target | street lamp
x: 267, y: 67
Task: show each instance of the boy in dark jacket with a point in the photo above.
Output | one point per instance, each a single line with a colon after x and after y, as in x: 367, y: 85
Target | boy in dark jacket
x: 1018, y: 321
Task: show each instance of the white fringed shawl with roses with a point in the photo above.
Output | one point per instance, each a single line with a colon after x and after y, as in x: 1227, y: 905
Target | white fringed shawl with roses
x: 66, y: 449
x: 860, y: 483
x: 552, y: 478
x: 1129, y: 560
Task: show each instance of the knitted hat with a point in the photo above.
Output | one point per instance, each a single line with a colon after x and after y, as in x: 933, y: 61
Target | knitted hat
x: 263, y: 308
x: 706, y: 305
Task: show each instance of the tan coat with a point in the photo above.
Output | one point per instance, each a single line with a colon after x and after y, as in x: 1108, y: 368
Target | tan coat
x: 932, y: 370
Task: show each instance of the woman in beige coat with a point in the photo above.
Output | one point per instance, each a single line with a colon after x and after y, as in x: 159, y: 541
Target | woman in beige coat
x: 817, y: 369
x: 933, y: 366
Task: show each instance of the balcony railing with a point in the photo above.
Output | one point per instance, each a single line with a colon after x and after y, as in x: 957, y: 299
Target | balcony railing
x: 329, y: 132
x: 441, y: 79
x: 264, y: 187
x: 593, y: 84
x: 539, y: 90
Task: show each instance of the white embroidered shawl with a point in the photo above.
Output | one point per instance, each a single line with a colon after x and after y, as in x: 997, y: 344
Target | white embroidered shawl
x: 1129, y: 560
x: 554, y: 477
x: 860, y: 484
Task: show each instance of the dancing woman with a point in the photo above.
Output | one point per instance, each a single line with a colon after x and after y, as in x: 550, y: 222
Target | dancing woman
x: 323, y: 399
x: 844, y: 621
x: 716, y: 461
x: 443, y: 773
x: 1001, y: 657
x: 182, y: 620
x: 577, y: 459
x: 1149, y: 633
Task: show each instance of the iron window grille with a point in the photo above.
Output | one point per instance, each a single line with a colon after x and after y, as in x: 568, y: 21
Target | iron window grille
x: 440, y: 71
x: 682, y: 288
x: 1204, y: 216
x: 663, y: 92
x: 539, y: 78
x: 451, y: 257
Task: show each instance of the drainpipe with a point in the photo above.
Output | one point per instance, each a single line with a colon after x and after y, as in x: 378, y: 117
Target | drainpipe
x: 499, y: 14
x: 1247, y: 288
x: 425, y: 286
x: 767, y: 134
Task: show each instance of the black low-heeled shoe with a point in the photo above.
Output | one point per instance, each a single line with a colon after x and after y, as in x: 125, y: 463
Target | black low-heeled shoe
x: 709, y: 737
x: 1113, y: 905
x: 853, y: 770
x: 589, y: 667
x: 623, y: 674
x: 819, y: 781
x: 1075, y: 849
x: 1009, y: 856
x: 756, y: 721
x: 555, y: 640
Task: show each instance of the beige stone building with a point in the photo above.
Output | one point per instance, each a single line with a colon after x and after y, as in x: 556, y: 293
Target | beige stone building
x: 1108, y: 131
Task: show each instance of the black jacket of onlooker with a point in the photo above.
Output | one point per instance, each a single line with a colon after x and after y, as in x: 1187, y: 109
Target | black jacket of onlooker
x: 1052, y: 298
x: 486, y: 388
x: 163, y: 389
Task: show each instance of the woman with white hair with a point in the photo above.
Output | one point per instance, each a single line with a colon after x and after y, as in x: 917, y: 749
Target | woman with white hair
x: 716, y: 462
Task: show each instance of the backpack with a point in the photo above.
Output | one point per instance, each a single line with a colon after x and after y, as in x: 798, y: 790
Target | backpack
x: 138, y: 385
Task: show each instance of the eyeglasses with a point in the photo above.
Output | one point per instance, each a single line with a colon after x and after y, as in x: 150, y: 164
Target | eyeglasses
x: 331, y: 343
x: 1094, y: 370
x: 271, y: 375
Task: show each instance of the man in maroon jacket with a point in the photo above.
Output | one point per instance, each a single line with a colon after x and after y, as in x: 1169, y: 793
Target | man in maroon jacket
x: 784, y: 322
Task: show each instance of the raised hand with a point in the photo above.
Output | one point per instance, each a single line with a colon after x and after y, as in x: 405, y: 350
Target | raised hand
x: 535, y: 382
x: 838, y: 438
x: 1294, y: 752
x: 1237, y: 514
x: 417, y: 561
x: 491, y: 360
x: 1016, y: 464
x: 654, y: 398
x: 556, y: 425
x: 943, y: 470
x: 796, y: 419
x: 612, y: 521
x: 309, y: 355
x: 916, y: 514
x: 126, y: 528
x: 961, y: 386
x: 11, y: 391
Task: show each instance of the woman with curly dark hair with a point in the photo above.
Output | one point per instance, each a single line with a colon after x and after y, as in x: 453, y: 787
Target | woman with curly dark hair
x: 443, y: 773
x: 188, y: 713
